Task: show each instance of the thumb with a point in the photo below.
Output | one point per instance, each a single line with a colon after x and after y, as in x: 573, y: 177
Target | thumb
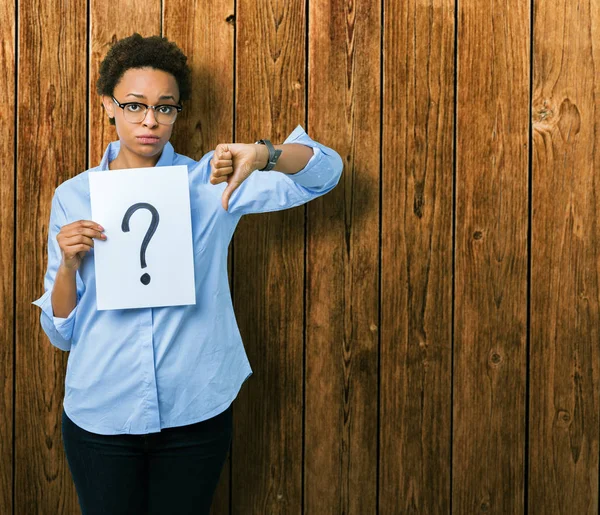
x: 231, y: 187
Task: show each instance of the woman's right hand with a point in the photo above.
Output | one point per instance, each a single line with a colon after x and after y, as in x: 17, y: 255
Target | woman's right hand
x: 76, y: 239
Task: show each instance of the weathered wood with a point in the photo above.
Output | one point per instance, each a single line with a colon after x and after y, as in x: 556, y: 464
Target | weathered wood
x: 393, y: 421
x: 204, y: 31
x: 342, y: 289
x: 111, y: 21
x: 416, y: 259
x: 490, y: 275
x: 7, y: 262
x: 51, y: 149
x: 269, y: 268
x: 565, y: 260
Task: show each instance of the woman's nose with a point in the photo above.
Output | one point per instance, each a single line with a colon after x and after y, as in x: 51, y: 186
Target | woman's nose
x: 149, y: 119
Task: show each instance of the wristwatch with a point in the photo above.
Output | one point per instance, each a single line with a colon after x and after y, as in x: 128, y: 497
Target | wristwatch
x: 273, y: 154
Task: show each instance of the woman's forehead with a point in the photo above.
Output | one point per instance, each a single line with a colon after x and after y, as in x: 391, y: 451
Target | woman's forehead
x: 148, y: 82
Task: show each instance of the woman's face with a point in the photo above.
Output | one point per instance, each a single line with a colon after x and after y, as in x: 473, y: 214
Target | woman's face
x: 151, y: 87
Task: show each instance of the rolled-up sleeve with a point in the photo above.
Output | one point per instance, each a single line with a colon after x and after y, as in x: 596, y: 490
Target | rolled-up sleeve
x: 273, y: 191
x: 59, y: 330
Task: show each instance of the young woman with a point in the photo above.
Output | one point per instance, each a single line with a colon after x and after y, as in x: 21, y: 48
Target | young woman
x: 146, y: 420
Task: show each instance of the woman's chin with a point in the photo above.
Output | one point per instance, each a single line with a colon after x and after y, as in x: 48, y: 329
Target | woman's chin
x: 146, y: 150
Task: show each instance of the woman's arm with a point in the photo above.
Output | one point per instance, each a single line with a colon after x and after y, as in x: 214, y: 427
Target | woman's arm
x: 64, y: 293
x: 309, y: 170
x: 294, y: 157
x: 59, y: 329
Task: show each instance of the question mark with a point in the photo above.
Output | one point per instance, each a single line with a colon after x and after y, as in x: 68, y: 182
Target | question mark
x: 153, y: 225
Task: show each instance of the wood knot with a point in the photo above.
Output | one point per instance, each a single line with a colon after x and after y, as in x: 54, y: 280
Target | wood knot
x: 495, y: 358
x: 563, y: 418
x: 569, y: 120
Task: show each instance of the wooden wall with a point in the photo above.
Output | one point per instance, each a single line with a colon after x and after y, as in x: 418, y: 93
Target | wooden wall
x: 424, y: 338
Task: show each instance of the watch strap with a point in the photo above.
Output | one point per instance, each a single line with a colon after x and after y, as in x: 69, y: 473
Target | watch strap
x: 273, y: 154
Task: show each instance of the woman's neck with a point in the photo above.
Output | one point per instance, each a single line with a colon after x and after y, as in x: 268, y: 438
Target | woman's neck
x: 126, y: 159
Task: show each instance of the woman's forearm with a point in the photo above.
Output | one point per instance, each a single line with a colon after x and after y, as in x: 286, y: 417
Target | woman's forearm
x: 64, y: 292
x: 294, y: 157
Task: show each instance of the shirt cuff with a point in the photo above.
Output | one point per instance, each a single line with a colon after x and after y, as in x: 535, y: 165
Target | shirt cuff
x: 323, y: 169
x: 64, y: 326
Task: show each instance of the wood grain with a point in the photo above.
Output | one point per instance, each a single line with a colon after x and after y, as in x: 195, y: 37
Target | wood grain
x: 111, y: 21
x: 342, y: 336
x: 7, y: 262
x: 490, y: 301
x: 432, y: 353
x: 416, y: 259
x: 269, y: 268
x: 51, y: 149
x: 204, y: 31
x: 565, y: 259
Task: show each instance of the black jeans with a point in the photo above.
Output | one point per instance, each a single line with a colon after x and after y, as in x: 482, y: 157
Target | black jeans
x: 174, y: 471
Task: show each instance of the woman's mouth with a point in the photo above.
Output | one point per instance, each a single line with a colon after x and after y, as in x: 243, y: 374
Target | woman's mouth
x: 148, y: 140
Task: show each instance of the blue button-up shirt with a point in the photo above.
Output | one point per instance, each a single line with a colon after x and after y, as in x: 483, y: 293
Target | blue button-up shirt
x: 137, y: 371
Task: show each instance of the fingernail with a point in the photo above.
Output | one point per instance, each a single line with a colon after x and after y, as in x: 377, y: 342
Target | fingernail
x: 100, y: 227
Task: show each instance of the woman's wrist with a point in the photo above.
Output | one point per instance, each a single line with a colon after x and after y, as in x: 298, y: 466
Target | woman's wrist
x: 64, y: 269
x: 262, y: 156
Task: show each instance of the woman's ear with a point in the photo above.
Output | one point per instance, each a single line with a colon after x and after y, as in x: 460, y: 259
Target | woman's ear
x: 109, y: 106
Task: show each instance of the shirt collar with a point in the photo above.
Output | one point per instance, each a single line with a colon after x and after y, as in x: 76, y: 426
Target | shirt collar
x: 112, y: 150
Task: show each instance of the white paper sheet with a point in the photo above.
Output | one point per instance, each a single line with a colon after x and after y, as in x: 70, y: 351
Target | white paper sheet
x: 169, y: 258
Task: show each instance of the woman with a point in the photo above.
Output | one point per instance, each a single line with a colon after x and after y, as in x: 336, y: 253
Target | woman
x: 146, y: 420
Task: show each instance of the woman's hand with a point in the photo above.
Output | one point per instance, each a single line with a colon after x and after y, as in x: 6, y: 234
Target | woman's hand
x: 76, y: 239
x: 233, y: 163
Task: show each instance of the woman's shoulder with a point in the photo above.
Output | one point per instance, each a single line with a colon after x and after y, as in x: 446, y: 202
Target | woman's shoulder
x: 73, y: 195
x: 76, y: 184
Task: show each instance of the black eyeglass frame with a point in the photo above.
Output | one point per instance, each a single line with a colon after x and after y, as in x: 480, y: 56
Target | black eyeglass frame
x: 125, y: 104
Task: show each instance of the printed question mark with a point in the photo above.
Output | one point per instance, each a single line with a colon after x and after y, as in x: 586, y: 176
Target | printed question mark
x: 153, y: 225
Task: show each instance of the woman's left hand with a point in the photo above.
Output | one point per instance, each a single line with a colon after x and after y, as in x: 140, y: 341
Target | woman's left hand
x: 233, y: 163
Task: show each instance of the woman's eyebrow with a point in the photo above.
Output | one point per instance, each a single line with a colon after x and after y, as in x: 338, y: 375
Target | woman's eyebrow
x: 162, y: 97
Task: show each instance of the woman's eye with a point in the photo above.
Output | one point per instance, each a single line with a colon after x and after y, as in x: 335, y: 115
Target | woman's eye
x: 134, y: 108
x: 165, y: 109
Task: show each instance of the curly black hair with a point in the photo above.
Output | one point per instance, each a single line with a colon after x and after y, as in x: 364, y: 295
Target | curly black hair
x: 136, y: 51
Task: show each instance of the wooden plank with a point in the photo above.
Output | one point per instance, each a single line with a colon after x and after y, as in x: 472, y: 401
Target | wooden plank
x: 563, y: 430
x: 491, y: 259
x: 111, y: 21
x: 342, y: 336
x: 7, y: 263
x: 268, y: 268
x: 51, y: 149
x: 207, y: 118
x: 416, y: 259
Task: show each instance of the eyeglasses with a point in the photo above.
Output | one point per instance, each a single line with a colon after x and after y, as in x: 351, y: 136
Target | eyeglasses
x: 135, y: 112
